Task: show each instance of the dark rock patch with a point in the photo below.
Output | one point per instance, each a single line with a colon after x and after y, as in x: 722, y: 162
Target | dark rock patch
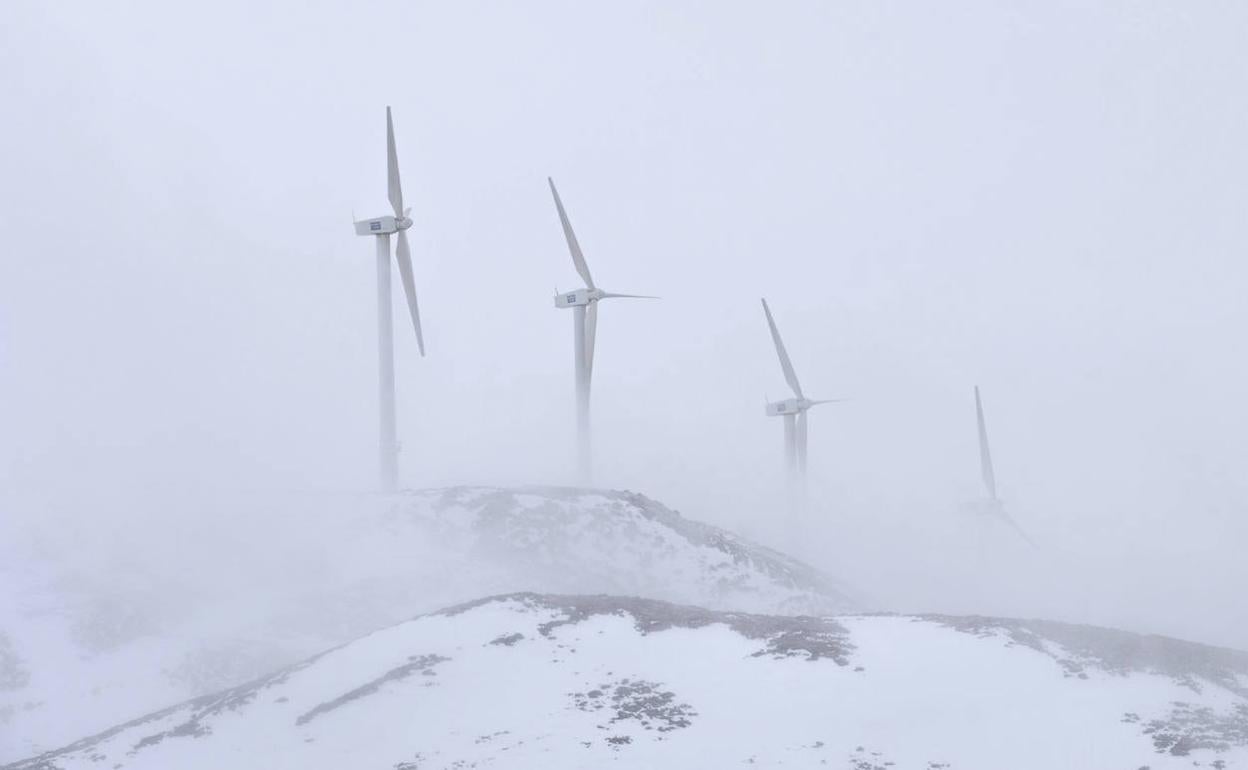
x: 1188, y: 728
x: 422, y: 664
x: 1114, y: 652
x: 487, y: 738
x: 644, y: 702
x: 800, y: 636
x: 862, y: 759
x: 197, y: 710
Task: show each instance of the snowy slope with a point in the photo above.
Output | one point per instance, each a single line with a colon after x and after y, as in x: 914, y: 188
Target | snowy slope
x: 539, y: 681
x: 78, y: 650
x: 555, y: 540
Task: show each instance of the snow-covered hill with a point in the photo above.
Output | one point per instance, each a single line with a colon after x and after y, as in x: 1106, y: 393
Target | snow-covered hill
x: 541, y: 681
x: 555, y: 540
x: 82, y: 646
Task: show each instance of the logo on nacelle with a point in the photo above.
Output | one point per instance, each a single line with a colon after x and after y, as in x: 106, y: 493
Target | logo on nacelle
x: 374, y: 225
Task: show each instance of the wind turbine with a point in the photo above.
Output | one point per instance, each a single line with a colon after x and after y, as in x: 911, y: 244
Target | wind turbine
x: 992, y: 505
x: 793, y: 410
x: 584, y: 303
x: 382, y: 228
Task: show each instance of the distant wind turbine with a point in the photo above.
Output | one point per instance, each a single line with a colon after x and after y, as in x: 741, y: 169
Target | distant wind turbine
x: 985, y: 455
x: 585, y: 326
x: 993, y: 505
x: 793, y: 410
x: 382, y: 228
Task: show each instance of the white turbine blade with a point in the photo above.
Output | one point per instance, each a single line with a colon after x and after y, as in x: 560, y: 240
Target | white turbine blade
x: 825, y: 401
x: 395, y: 189
x: 591, y: 331
x: 997, y: 509
x: 403, y: 256
x: 1014, y: 524
x: 789, y: 375
x: 609, y: 295
x: 985, y: 456
x: 577, y: 257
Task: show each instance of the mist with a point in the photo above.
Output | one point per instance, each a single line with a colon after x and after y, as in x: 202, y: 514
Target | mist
x: 1044, y: 200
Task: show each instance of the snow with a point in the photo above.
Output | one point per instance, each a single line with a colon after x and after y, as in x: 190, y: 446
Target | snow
x: 634, y: 646
x: 91, y: 654
x: 596, y: 681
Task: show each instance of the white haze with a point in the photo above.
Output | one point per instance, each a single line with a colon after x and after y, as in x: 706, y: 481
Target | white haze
x: 1044, y: 199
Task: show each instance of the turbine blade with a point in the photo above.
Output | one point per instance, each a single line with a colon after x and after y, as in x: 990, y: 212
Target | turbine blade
x: 403, y: 256
x: 610, y: 295
x: 577, y: 257
x: 395, y: 189
x: 826, y: 401
x: 985, y: 456
x: 591, y: 331
x: 999, y: 511
x: 1010, y: 520
x: 789, y: 375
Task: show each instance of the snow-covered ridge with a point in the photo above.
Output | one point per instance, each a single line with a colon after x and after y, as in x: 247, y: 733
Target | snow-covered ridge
x: 811, y: 637
x: 530, y: 680
x: 293, y: 576
x: 621, y: 543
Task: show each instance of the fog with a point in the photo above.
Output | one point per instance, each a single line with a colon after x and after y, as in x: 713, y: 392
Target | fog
x: 1045, y: 200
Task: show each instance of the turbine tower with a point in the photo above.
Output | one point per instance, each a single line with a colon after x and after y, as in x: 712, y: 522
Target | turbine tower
x: 382, y: 228
x: 992, y: 504
x: 584, y: 303
x: 793, y: 410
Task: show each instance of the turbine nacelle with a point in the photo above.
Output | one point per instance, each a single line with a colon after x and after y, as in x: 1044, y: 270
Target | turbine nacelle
x: 787, y: 406
x: 382, y: 225
x: 582, y: 297
x: 577, y: 298
x: 794, y: 406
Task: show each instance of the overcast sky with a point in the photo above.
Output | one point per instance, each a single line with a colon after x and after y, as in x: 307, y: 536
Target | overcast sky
x: 1045, y: 199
